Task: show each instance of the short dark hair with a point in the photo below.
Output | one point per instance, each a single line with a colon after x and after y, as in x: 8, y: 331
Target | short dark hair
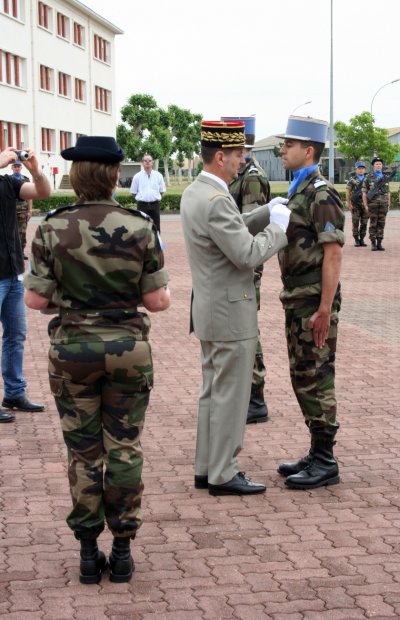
x: 208, y: 153
x: 318, y: 149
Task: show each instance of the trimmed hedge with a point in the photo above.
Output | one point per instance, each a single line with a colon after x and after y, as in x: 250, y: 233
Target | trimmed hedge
x: 170, y: 202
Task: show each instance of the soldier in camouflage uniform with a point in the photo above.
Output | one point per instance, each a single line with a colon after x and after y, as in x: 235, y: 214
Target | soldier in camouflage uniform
x: 251, y: 188
x: 359, y: 214
x: 97, y: 262
x: 376, y: 198
x: 310, y: 267
x: 24, y: 207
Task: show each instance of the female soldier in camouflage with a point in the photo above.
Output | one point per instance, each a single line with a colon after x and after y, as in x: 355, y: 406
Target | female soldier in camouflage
x: 97, y: 262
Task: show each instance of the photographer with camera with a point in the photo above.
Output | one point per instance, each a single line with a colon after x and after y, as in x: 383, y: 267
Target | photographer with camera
x: 12, y: 307
x: 24, y: 207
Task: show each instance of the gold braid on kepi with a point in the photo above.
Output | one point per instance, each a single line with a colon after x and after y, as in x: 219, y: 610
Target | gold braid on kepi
x: 222, y: 134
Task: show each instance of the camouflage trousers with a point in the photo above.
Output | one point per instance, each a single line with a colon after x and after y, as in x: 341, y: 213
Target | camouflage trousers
x: 377, y: 218
x: 312, y: 370
x: 359, y: 218
x: 259, y: 369
x: 101, y: 390
x: 22, y: 218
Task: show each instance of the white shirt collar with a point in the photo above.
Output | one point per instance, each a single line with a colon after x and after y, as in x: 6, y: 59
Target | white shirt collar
x: 215, y: 178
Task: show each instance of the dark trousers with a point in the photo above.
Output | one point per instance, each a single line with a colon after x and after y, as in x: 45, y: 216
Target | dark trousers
x: 152, y: 209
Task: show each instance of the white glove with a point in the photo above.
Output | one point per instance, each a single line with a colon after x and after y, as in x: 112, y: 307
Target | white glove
x: 277, y: 201
x: 280, y: 214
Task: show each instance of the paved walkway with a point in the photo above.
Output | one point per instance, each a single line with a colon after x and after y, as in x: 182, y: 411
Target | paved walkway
x: 328, y: 554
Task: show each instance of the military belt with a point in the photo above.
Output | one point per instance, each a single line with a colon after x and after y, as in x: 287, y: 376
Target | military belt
x: 95, y: 311
x: 302, y: 280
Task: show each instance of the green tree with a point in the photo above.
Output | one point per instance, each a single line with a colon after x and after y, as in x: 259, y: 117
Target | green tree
x: 360, y: 139
x: 185, y: 130
x: 145, y: 129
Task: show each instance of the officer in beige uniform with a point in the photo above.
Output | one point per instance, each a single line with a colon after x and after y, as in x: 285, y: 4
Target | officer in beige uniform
x: 224, y: 247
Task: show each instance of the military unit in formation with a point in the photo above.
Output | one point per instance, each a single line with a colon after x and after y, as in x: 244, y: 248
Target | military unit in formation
x: 368, y: 198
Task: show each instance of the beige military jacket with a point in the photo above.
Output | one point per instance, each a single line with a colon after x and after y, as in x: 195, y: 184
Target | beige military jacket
x: 222, y: 254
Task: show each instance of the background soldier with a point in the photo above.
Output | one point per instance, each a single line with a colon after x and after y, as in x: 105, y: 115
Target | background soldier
x: 376, y: 198
x: 24, y: 207
x: 310, y: 267
x: 359, y: 214
x: 251, y: 188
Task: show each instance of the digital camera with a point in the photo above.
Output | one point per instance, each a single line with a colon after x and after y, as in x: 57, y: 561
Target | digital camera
x: 22, y: 154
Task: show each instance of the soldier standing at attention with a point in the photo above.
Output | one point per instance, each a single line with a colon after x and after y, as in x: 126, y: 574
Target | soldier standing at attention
x: 251, y: 188
x: 24, y: 207
x: 376, y: 198
x: 359, y: 213
x: 310, y: 268
x: 97, y: 262
x: 224, y: 247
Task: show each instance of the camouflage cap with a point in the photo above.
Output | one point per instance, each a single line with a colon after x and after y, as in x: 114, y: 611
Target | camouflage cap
x: 222, y: 134
x: 305, y: 128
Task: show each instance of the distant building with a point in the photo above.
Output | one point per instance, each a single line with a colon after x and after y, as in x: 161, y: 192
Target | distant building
x: 394, y: 135
x: 57, y: 77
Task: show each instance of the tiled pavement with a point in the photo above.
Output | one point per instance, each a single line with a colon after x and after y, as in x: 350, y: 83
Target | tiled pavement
x: 328, y: 554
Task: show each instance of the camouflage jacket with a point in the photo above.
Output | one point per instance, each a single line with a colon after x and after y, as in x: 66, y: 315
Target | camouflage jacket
x: 353, y: 185
x: 317, y: 217
x: 370, y: 181
x: 94, y: 261
x: 251, y: 187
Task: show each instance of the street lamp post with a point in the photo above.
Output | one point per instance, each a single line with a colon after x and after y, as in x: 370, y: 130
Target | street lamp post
x: 379, y: 89
x: 299, y: 106
x: 331, y: 134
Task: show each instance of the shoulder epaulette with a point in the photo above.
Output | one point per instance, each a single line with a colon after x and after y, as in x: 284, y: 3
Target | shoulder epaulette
x: 217, y: 194
x: 76, y: 206
x: 254, y: 168
x: 58, y: 210
x: 318, y: 182
x: 136, y: 212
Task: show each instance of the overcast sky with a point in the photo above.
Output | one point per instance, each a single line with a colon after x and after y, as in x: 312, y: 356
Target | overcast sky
x: 262, y: 57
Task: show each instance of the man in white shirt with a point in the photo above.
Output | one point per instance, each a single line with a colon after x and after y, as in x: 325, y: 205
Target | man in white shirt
x: 147, y: 188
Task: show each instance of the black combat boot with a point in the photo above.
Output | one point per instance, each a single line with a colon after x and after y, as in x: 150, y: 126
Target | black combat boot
x: 379, y: 245
x: 362, y: 242
x: 357, y: 242
x: 121, y: 561
x: 93, y: 561
x: 288, y: 469
x: 373, y: 245
x: 258, y: 410
x: 322, y: 470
